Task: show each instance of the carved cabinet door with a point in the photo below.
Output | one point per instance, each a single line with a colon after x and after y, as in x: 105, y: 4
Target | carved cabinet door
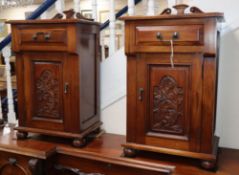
x: 47, y: 84
x: 168, y: 102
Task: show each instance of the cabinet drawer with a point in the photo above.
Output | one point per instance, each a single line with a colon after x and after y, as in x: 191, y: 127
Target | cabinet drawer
x: 161, y: 35
x: 45, y: 36
x: 42, y: 37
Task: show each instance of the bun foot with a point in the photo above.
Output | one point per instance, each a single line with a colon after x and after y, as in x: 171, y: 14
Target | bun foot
x: 208, y: 165
x: 22, y: 135
x: 97, y: 131
x: 79, y: 143
x: 129, y: 152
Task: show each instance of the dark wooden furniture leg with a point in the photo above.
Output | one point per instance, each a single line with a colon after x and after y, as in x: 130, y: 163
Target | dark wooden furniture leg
x: 130, y: 152
x: 22, y: 135
x: 1, y: 123
x: 79, y: 142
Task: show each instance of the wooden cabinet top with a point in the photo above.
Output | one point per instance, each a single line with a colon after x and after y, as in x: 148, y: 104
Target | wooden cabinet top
x: 219, y: 16
x: 195, y: 13
x: 53, y: 21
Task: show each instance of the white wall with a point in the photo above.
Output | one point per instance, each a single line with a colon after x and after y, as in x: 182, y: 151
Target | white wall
x: 114, y: 117
x: 228, y: 95
x: 18, y: 13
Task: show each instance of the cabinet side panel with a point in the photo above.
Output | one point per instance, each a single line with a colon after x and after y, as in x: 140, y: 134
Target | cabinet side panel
x: 208, y: 104
x: 88, y: 79
x: 209, y: 86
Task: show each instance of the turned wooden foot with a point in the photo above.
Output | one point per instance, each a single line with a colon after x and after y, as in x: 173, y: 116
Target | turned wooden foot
x: 2, y: 123
x: 208, y: 165
x: 97, y: 131
x: 22, y: 135
x: 129, y: 152
x: 79, y: 143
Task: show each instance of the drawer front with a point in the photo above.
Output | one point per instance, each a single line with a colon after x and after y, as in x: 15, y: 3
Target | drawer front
x: 47, y: 36
x: 161, y: 35
x: 42, y: 37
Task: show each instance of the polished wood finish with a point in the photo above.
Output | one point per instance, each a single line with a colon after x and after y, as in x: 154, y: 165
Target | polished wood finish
x: 57, y: 64
x: 103, y: 155
x: 219, y: 16
x: 12, y: 164
x: 187, y: 35
x: 181, y: 45
x: 60, y: 133
x: 207, y: 157
x: 171, y: 102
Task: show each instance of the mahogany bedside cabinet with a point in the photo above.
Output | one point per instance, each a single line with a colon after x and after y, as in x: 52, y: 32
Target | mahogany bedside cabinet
x: 57, y: 64
x: 172, y: 68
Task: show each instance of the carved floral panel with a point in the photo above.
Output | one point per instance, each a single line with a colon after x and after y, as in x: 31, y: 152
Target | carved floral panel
x: 168, y: 106
x: 47, y: 93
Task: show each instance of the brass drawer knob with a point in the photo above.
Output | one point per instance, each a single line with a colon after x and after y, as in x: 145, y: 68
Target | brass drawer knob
x: 34, y: 37
x: 47, y: 36
x: 175, y: 36
x: 159, y: 36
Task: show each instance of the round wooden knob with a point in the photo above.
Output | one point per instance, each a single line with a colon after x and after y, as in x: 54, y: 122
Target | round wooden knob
x: 158, y: 35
